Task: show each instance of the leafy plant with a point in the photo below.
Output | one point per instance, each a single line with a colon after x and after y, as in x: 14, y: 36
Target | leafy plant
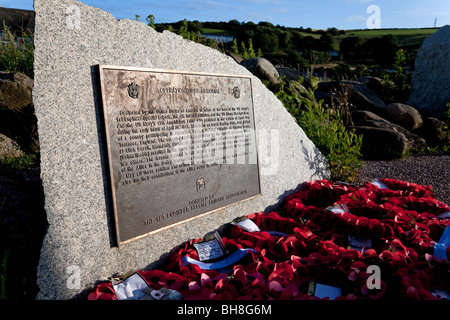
x: 16, y: 57
x: 398, y: 84
x: 246, y: 52
x: 26, y: 161
x: 324, y: 126
x: 151, y: 21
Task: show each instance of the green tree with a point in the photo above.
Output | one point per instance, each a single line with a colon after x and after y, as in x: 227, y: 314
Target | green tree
x: 151, y: 21
x: 327, y: 40
x: 250, y: 52
x: 351, y: 47
x: 234, y: 46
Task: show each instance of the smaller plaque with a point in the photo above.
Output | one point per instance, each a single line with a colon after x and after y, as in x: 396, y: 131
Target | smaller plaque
x: 211, y: 249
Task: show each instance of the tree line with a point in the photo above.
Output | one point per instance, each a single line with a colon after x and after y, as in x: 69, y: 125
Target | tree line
x: 296, y: 47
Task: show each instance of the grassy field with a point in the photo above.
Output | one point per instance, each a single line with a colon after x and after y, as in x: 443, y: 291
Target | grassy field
x: 406, y: 37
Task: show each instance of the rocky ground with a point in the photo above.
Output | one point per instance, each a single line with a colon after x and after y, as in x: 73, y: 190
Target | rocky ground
x: 24, y: 220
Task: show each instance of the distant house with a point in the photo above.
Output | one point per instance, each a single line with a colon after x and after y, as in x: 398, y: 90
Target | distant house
x: 17, y: 20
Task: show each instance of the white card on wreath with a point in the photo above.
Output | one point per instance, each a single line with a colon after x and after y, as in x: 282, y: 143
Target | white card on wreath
x: 209, y: 250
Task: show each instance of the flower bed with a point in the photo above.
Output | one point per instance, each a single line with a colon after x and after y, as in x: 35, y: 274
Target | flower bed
x: 332, y: 234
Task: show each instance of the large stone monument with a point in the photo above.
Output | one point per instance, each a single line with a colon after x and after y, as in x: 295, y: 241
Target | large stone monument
x: 147, y: 141
x: 430, y: 85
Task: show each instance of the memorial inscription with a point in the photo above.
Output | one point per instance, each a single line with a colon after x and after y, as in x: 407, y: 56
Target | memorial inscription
x: 179, y: 145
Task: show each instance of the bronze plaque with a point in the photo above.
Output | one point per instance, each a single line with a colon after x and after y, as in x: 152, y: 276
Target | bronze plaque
x: 180, y: 145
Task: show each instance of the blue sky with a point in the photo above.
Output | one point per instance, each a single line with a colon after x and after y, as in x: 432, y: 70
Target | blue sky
x: 315, y: 14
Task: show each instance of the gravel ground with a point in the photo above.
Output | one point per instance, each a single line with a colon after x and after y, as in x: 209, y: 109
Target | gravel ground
x: 425, y: 170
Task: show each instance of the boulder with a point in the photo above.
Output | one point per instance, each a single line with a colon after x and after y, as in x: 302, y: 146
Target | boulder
x: 373, y: 83
x: 235, y: 56
x: 15, y: 90
x: 9, y: 148
x: 360, y: 95
x: 430, y: 85
x: 381, y: 144
x: 328, y: 86
x: 406, y: 116
x: 289, y: 74
x: 21, y: 126
x: 434, y: 132
x: 263, y: 69
x: 297, y: 88
x: 17, y: 118
x: 364, y: 98
x: 328, y: 98
x: 369, y: 119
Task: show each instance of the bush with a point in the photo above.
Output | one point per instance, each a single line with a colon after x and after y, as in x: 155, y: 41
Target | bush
x: 398, y: 84
x: 325, y: 127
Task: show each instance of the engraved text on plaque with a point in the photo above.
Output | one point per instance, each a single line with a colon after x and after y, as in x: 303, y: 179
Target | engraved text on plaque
x: 180, y: 145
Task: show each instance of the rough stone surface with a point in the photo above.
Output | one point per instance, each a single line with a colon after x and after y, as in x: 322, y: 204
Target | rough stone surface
x: 406, y: 116
x: 433, y: 131
x: 289, y: 74
x: 9, y: 148
x: 370, y: 119
x: 430, y: 86
x: 79, y: 237
x: 262, y: 68
x: 380, y: 143
x: 365, y: 99
x: 17, y: 119
x: 373, y: 83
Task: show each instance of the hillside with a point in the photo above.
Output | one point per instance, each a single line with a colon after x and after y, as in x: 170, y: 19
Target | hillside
x: 304, y: 49
x: 406, y: 37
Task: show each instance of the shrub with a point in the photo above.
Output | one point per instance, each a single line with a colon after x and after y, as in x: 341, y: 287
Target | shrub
x: 16, y: 58
x: 398, y: 84
x: 325, y: 127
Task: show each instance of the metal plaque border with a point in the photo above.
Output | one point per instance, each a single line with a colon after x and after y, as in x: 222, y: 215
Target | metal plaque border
x: 101, y: 69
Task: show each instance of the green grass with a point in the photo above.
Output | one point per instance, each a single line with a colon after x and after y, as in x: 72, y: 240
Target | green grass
x: 16, y: 59
x: 26, y: 161
x: 395, y: 32
x: 406, y: 37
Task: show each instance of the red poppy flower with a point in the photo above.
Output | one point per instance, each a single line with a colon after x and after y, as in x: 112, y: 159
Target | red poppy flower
x: 374, y: 293
x: 103, y: 291
x: 400, y: 221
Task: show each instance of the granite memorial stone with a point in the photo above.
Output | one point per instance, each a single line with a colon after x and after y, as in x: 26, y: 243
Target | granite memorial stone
x: 73, y: 42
